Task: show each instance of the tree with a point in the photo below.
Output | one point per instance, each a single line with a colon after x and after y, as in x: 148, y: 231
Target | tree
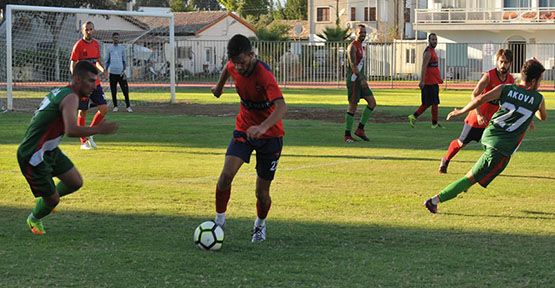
x: 333, y: 34
x: 296, y: 10
x: 181, y: 6
x: 247, y: 7
x: 211, y: 5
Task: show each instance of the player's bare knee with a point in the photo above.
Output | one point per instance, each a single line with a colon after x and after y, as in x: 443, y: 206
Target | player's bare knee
x: 52, y: 201
x: 82, y: 113
x: 103, y: 109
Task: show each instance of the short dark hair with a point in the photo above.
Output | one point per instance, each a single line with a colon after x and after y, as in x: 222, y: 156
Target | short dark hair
x: 505, y: 52
x: 83, y: 67
x: 430, y: 35
x: 115, y: 34
x: 237, y: 45
x: 531, y: 70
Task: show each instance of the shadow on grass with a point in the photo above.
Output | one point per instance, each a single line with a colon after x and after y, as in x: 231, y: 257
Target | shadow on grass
x: 122, y: 250
x: 533, y: 215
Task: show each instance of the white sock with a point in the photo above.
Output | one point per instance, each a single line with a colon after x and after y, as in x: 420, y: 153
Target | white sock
x: 259, y: 222
x: 435, y: 200
x: 220, y: 218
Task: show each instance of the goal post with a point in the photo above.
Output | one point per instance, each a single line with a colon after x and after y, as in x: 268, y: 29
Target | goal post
x: 39, y: 40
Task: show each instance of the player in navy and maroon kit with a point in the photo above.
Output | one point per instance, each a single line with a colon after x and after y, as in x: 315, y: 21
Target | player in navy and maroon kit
x: 478, y: 119
x: 258, y: 127
x: 429, y: 83
x: 88, y: 49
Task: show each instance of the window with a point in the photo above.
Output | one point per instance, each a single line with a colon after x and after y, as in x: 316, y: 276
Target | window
x: 353, y: 14
x: 372, y: 16
x: 407, y: 15
x: 185, y: 52
x: 547, y: 3
x: 208, y: 55
x: 322, y: 14
x: 516, y: 3
x: 410, y: 56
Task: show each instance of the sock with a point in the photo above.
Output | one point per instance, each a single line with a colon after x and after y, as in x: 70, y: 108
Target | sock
x: 222, y: 197
x: 435, y: 200
x: 82, y: 121
x: 220, y: 218
x: 454, y: 148
x: 434, y: 114
x: 365, y: 115
x: 262, y: 210
x: 259, y: 222
x: 349, y: 119
x: 97, y: 118
x: 454, y: 189
x: 41, y: 210
x: 64, y: 190
x: 420, y: 110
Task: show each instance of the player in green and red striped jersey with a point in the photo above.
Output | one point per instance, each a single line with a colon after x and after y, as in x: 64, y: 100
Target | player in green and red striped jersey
x: 38, y: 155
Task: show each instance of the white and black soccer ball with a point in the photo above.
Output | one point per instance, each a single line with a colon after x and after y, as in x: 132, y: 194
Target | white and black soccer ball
x: 209, y: 236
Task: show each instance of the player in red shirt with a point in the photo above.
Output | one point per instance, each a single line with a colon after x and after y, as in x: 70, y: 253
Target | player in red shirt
x: 429, y: 83
x: 258, y: 127
x: 478, y: 119
x: 88, y: 49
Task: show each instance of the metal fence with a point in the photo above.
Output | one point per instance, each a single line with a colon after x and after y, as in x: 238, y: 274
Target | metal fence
x: 389, y: 65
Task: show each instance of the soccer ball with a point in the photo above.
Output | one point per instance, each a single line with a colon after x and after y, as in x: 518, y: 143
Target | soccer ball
x: 209, y: 236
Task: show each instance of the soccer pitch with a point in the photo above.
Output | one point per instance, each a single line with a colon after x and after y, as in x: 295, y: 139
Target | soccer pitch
x: 343, y: 215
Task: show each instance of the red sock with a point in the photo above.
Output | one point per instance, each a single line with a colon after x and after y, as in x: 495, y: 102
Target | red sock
x: 454, y: 147
x: 222, y: 197
x: 82, y: 121
x: 420, y: 110
x: 434, y: 114
x: 262, y: 210
x: 97, y: 118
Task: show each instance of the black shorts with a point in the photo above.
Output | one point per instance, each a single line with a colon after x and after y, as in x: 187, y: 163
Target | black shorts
x: 470, y: 134
x: 429, y: 95
x: 267, y: 150
x: 97, y: 97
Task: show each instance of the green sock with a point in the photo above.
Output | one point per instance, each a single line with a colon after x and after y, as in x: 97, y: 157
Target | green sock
x: 63, y: 190
x: 365, y: 115
x: 349, y: 119
x: 41, y: 210
x: 454, y: 189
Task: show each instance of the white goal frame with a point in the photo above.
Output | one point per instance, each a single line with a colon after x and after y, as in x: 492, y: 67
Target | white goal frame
x: 10, y: 9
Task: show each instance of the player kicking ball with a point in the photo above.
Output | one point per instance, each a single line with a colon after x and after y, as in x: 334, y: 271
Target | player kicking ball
x: 517, y: 106
x: 38, y: 155
x: 258, y: 127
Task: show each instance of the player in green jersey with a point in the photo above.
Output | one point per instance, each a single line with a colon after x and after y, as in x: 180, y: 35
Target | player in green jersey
x: 38, y: 155
x: 517, y: 106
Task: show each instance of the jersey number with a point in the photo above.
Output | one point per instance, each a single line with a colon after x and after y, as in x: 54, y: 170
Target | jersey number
x: 511, y: 109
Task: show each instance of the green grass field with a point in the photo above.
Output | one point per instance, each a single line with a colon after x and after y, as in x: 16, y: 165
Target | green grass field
x: 342, y: 215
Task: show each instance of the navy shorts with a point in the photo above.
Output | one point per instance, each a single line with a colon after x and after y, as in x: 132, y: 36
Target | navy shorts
x: 96, y: 97
x: 430, y: 95
x: 267, y: 150
x: 470, y: 134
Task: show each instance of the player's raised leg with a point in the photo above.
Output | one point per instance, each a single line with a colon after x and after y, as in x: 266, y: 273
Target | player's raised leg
x: 223, y: 188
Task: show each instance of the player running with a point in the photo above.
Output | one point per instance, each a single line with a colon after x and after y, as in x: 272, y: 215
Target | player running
x: 517, y: 105
x: 357, y: 87
x: 429, y: 83
x: 258, y: 127
x: 38, y: 155
x: 88, y: 49
x: 478, y: 119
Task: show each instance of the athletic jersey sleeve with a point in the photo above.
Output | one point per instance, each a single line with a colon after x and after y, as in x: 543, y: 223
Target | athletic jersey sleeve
x: 74, y: 52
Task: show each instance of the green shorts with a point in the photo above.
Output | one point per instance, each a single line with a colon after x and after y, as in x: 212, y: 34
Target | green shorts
x: 40, y: 177
x: 491, y: 164
x: 355, y: 91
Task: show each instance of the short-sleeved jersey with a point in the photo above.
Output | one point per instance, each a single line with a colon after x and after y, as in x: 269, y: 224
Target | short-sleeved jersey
x: 432, y: 75
x: 360, y: 54
x: 257, y: 91
x: 46, y: 128
x: 508, y: 125
x: 488, y: 109
x: 86, y: 51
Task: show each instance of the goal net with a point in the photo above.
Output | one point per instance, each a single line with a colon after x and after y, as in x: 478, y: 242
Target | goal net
x: 38, y: 42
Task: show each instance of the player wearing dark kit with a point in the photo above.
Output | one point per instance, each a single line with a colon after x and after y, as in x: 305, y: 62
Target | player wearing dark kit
x: 429, y: 83
x: 258, y: 127
x: 478, y: 119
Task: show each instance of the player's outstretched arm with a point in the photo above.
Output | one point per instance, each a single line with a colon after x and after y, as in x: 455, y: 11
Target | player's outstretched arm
x: 494, y: 94
x: 279, y: 112
x: 68, y: 106
x: 542, y: 113
x: 218, y: 89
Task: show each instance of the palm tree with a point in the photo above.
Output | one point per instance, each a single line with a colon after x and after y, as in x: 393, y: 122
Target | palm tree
x: 335, y: 34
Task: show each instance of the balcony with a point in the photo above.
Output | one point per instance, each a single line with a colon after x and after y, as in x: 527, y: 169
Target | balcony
x: 485, y: 19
